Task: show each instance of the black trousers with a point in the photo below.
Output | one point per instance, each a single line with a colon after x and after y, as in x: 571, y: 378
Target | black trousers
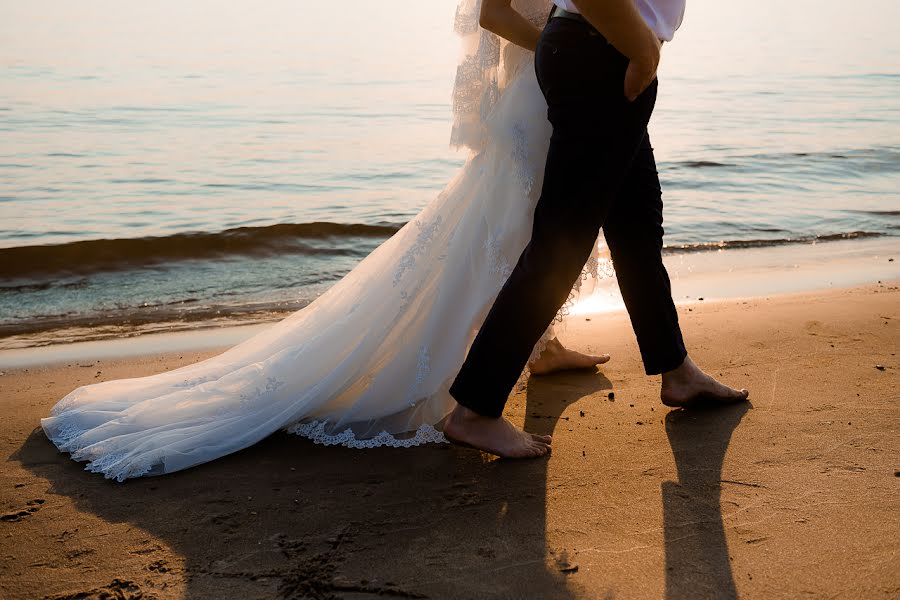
x: 600, y: 172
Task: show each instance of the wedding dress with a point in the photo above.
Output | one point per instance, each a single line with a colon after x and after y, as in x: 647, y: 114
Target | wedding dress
x: 370, y: 361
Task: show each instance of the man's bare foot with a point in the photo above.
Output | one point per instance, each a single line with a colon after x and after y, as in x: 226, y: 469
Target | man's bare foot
x: 557, y: 357
x: 688, y: 386
x: 464, y: 427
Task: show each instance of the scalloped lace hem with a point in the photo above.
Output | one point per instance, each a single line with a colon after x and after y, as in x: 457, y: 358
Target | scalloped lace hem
x: 315, y: 431
x: 117, y: 466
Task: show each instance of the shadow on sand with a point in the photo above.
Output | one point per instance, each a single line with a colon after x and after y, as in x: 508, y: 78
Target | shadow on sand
x: 697, y: 560
x: 289, y: 519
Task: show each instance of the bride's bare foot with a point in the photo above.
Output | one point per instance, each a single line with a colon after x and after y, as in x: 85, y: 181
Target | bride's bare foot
x: 497, y: 436
x: 688, y: 386
x: 557, y: 357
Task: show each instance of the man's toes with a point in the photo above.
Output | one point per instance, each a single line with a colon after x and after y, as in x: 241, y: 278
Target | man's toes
x: 538, y: 449
x: 733, y: 394
x: 544, y: 439
x: 529, y: 450
x: 729, y: 391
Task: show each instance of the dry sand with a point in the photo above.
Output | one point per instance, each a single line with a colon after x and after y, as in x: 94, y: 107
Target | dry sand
x: 796, y: 495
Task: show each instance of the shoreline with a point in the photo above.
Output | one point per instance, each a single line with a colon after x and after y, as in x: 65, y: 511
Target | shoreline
x: 707, y: 276
x: 793, y: 494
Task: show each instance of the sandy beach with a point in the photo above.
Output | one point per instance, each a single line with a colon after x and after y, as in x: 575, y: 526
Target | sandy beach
x: 794, y: 495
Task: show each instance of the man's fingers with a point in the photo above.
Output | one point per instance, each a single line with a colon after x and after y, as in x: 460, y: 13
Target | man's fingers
x: 636, y: 81
x: 632, y: 83
x: 633, y: 86
x: 632, y: 91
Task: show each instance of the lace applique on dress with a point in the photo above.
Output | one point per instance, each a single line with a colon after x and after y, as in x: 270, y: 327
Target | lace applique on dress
x: 423, y: 368
x: 424, y: 237
x: 497, y: 263
x: 465, y: 21
x: 66, y: 403
x: 474, y: 79
x: 535, y: 11
x: 521, y: 157
x: 194, y: 382
x: 247, y: 400
x: 66, y: 434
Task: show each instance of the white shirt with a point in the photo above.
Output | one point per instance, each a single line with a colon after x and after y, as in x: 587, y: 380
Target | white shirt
x: 662, y: 16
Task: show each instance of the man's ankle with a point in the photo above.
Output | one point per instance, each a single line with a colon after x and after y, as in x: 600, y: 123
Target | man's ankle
x: 465, y: 414
x: 684, y: 369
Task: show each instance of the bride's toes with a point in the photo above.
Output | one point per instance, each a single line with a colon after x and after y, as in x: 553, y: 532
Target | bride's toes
x: 600, y: 359
x: 577, y: 360
x: 558, y: 358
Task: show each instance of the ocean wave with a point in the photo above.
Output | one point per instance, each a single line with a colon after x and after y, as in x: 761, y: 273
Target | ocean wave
x: 764, y: 243
x: 87, y: 257
x: 129, y: 320
x: 94, y: 256
x: 866, y: 160
x: 880, y: 213
x: 55, y: 314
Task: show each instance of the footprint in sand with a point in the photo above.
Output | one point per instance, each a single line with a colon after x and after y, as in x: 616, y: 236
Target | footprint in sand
x: 31, y: 507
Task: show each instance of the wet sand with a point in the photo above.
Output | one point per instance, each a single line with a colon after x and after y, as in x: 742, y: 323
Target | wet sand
x: 796, y: 494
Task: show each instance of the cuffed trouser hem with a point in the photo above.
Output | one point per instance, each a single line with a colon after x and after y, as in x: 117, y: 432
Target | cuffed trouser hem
x: 661, y: 365
x: 472, y: 396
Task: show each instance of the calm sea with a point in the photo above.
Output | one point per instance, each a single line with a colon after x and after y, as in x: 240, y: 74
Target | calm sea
x: 176, y: 163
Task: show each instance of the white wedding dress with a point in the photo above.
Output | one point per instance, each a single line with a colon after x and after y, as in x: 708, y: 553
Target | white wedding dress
x: 369, y: 362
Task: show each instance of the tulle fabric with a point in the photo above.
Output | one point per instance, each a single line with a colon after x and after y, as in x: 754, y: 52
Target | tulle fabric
x: 369, y: 362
